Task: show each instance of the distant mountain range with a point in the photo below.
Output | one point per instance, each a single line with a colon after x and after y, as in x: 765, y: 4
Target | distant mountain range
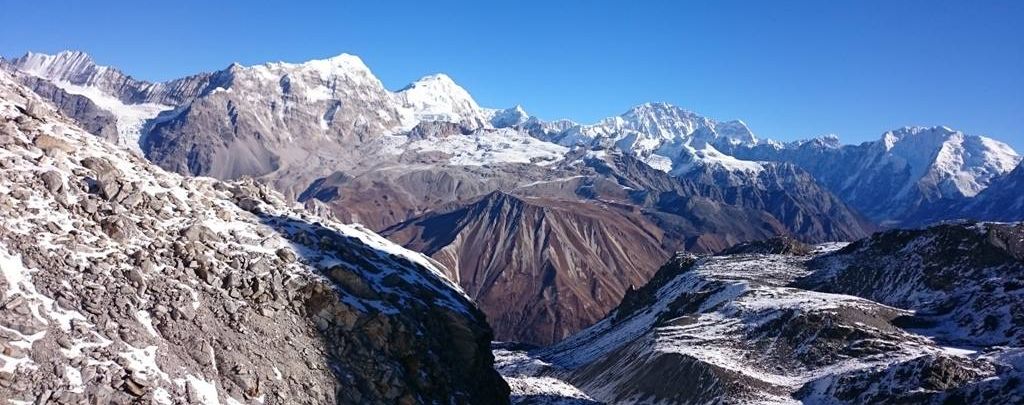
x: 435, y: 171
x: 654, y: 257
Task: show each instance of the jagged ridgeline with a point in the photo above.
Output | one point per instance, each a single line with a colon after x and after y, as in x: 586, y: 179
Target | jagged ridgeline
x: 124, y: 283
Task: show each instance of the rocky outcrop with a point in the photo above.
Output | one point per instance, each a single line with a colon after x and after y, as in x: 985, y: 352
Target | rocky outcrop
x: 124, y: 283
x: 773, y: 246
x: 961, y: 280
x: 83, y: 110
x: 755, y: 326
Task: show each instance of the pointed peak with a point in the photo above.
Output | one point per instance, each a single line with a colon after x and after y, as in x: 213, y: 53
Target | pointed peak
x: 435, y: 82
x: 656, y: 110
x: 438, y: 98
x: 509, y: 117
x: 343, y: 61
x: 830, y: 141
x: 436, y: 77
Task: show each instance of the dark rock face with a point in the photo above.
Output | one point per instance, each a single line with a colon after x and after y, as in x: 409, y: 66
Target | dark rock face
x: 84, y: 111
x: 124, y: 283
x: 773, y: 246
x: 639, y: 299
x: 540, y: 269
x: 793, y: 197
x: 209, y: 140
x: 781, y: 194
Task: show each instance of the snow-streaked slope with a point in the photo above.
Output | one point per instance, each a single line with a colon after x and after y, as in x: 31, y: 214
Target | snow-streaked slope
x: 483, y: 147
x: 1003, y: 200
x: 948, y: 161
x: 960, y: 279
x: 130, y: 117
x: 63, y: 66
x: 76, y: 73
x: 527, y: 383
x: 141, y: 285
x: 708, y: 157
x: 736, y: 329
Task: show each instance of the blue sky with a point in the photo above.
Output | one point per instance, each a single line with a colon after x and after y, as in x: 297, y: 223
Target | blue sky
x: 790, y: 69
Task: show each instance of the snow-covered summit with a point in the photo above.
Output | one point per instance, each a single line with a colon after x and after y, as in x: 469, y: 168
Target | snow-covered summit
x: 438, y: 98
x: 708, y: 157
x: 509, y: 117
x: 903, y: 176
x: 950, y: 161
x: 666, y: 137
x: 340, y: 66
x: 671, y: 122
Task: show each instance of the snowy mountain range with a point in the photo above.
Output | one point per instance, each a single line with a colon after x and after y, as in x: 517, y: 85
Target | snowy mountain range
x: 907, y: 170
x: 155, y: 237
x: 328, y: 131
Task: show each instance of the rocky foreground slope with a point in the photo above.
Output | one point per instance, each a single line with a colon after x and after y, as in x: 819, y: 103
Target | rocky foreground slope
x: 929, y: 316
x: 124, y: 283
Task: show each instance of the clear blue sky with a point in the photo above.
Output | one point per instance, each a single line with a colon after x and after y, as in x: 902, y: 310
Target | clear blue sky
x: 789, y: 69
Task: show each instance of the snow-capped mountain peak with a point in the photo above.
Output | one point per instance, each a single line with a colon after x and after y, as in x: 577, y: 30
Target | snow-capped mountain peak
x: 658, y: 119
x: 343, y: 66
x: 947, y: 160
x: 509, y: 117
x: 736, y: 132
x: 666, y: 137
x: 438, y: 98
x: 667, y: 121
